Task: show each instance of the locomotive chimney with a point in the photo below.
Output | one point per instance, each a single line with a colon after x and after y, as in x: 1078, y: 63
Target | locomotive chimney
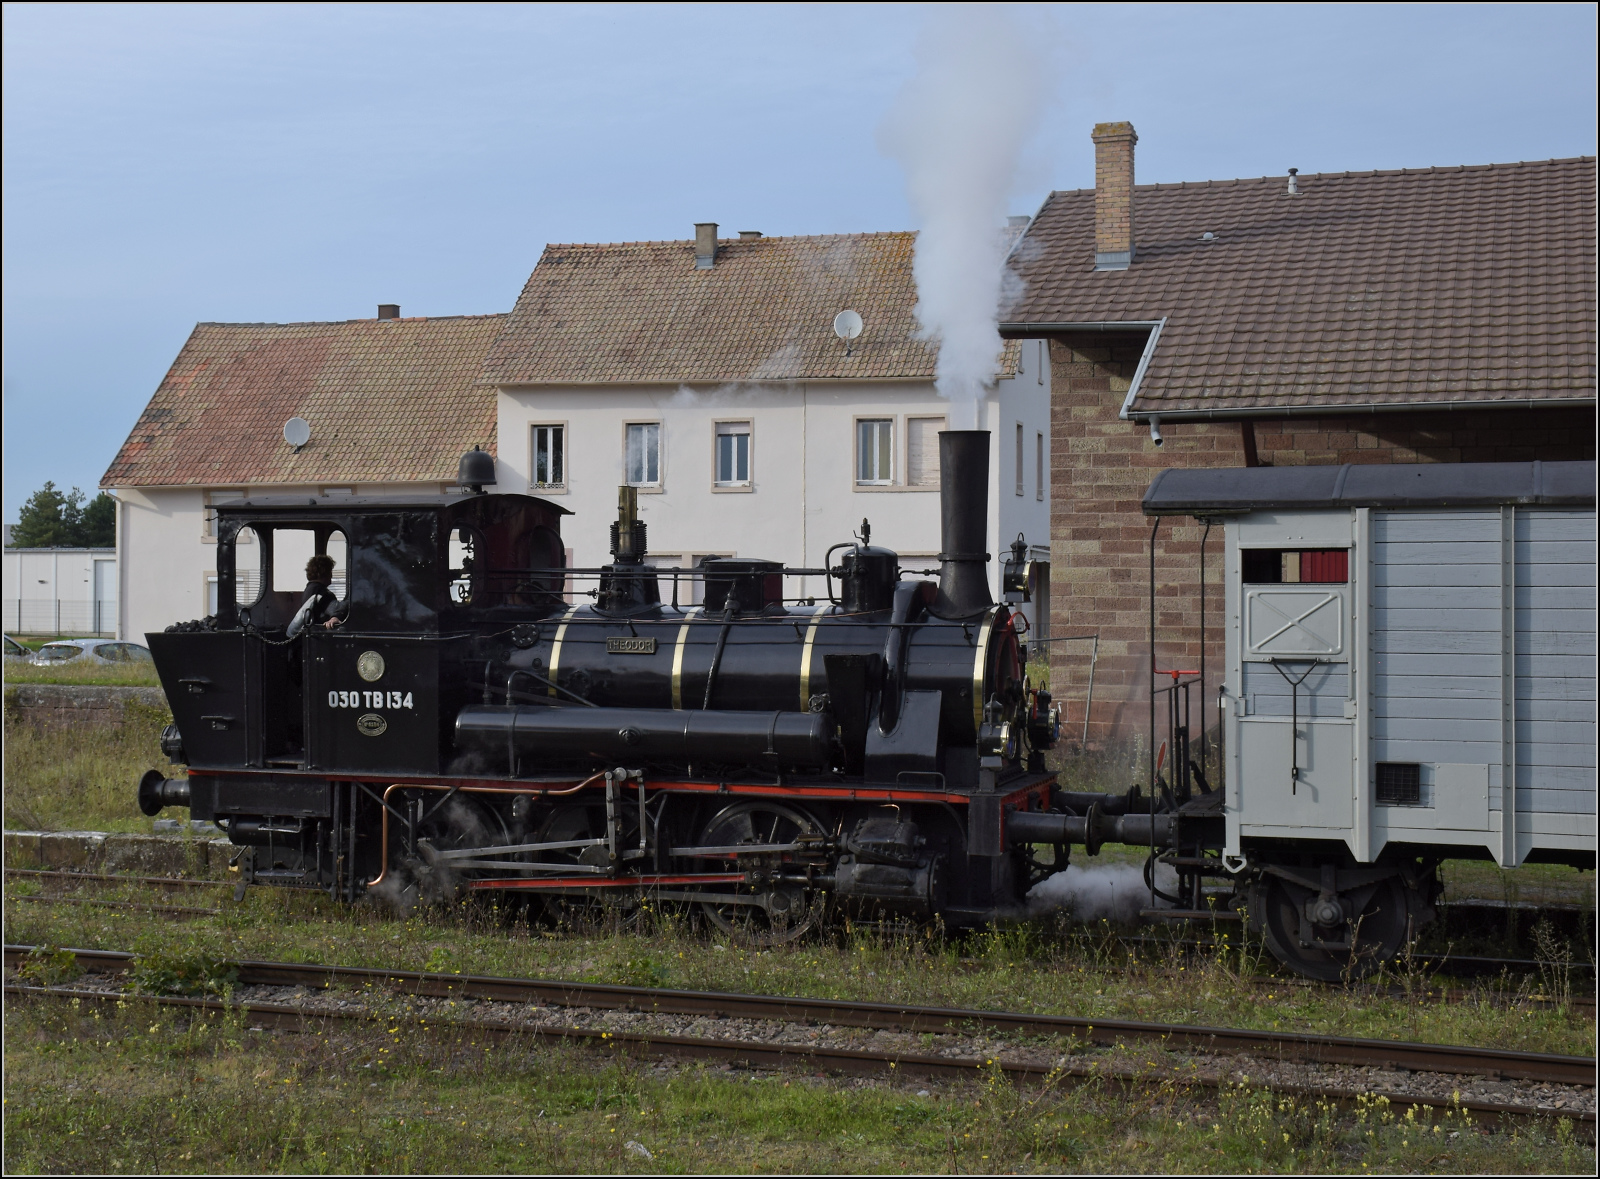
x: 964, y: 523
x: 628, y: 533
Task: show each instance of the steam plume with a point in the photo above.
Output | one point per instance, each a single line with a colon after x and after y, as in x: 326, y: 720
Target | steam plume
x: 958, y: 129
x: 1113, y: 892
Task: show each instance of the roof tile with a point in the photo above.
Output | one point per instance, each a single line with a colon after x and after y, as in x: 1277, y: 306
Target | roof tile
x: 1416, y: 286
x: 389, y: 400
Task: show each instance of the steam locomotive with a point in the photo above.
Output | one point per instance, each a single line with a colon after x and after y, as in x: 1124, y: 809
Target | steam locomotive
x: 461, y: 726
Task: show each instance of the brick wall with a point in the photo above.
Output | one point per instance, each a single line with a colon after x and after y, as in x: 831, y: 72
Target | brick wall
x: 1100, y: 541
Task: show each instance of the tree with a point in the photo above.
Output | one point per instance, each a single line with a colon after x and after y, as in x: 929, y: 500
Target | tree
x: 51, y: 519
x: 97, y: 526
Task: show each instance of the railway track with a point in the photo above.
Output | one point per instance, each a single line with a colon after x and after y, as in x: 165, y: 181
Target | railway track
x: 1438, y: 1058
x: 1473, y: 966
x: 766, y: 1054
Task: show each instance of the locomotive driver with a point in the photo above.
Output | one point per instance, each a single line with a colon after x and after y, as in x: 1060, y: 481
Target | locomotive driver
x: 320, y: 607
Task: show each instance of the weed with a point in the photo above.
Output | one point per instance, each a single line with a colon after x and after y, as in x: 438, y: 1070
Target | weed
x: 49, y: 966
x: 161, y: 973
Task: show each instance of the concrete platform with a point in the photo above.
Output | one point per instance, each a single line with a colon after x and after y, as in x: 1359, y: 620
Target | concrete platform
x: 180, y: 854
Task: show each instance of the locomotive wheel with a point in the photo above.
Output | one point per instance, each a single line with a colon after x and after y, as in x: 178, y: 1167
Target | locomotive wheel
x: 462, y: 822
x: 783, y: 913
x: 574, y: 821
x: 1376, y: 935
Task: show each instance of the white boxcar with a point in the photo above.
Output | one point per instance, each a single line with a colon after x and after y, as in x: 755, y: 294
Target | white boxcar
x: 1410, y: 663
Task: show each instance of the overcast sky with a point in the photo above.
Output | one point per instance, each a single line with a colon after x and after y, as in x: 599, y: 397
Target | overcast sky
x: 165, y: 165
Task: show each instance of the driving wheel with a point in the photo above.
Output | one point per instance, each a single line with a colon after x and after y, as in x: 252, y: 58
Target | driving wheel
x: 776, y: 910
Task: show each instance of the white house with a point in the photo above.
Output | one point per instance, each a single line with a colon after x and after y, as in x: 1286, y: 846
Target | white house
x: 392, y: 404
x: 707, y: 374
x: 59, y: 591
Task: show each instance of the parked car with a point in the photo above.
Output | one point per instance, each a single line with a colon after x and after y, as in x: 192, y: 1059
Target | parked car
x: 93, y: 650
x: 15, y: 650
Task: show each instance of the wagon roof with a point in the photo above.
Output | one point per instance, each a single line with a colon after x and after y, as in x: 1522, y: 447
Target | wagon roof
x: 1182, y: 492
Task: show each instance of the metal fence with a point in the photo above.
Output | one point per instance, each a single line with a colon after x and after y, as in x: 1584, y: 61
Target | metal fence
x: 53, y: 616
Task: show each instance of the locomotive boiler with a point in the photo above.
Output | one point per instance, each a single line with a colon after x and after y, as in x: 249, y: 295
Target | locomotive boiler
x: 457, y: 723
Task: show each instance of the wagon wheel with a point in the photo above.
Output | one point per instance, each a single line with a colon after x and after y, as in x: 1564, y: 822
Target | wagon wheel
x: 573, y: 821
x: 782, y: 911
x: 1380, y: 929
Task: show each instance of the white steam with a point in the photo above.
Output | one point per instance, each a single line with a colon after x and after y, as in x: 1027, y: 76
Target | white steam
x: 958, y: 129
x: 1110, y: 892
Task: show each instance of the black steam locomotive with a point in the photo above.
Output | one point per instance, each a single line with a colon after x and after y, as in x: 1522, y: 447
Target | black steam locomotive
x: 455, y: 723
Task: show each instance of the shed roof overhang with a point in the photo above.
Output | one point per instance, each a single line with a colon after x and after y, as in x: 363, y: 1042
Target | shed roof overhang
x: 1231, y: 491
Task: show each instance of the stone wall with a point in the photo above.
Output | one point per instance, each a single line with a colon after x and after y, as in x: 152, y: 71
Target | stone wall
x: 80, y: 705
x: 131, y: 855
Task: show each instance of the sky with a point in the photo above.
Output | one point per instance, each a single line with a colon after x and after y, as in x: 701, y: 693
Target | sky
x: 171, y: 164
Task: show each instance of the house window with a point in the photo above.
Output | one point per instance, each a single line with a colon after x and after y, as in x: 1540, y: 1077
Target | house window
x: 922, y: 451
x: 644, y: 454
x: 875, y: 451
x: 1021, y: 473
x: 1038, y: 467
x: 733, y: 454
x: 212, y: 499
x: 549, y: 456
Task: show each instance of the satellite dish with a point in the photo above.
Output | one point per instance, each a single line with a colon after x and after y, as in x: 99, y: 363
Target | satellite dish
x: 847, y: 325
x: 297, y: 432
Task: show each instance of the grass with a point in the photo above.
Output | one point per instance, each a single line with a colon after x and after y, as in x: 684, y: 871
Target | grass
x: 1068, y: 969
x: 144, y: 1090
x: 127, y: 675
x: 84, y: 780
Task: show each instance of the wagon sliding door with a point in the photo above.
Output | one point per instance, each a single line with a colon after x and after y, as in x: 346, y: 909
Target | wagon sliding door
x: 1483, y: 679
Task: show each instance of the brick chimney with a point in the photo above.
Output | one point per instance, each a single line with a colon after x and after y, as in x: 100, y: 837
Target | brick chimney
x: 388, y: 311
x: 1113, y: 195
x: 705, y: 245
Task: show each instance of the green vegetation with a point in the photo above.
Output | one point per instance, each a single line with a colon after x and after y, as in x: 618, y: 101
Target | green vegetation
x: 52, y: 518
x: 1063, y: 969
x: 82, y: 780
x: 142, y: 1090
x: 130, y: 675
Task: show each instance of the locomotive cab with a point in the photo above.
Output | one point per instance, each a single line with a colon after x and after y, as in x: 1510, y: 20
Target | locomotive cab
x: 260, y: 684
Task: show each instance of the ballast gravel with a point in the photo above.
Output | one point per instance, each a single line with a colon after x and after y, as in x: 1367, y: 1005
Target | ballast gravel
x: 1047, y: 1052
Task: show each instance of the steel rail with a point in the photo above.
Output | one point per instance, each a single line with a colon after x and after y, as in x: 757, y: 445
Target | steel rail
x: 140, y: 906
x: 1441, y: 1058
x: 157, y: 881
x: 851, y: 1061
x: 1430, y: 961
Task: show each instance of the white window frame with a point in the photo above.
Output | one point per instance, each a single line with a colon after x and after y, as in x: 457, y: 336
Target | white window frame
x: 560, y: 486
x: 884, y: 423
x: 208, y: 516
x: 1022, y: 454
x: 944, y: 424
x: 1040, y: 461
x: 730, y: 428
x: 647, y: 487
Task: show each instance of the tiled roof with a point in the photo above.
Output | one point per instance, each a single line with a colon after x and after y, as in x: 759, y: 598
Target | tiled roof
x: 1472, y: 284
x: 389, y: 400
x: 640, y: 313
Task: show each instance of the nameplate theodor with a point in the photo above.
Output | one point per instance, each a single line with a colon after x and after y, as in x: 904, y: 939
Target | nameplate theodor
x: 625, y: 645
